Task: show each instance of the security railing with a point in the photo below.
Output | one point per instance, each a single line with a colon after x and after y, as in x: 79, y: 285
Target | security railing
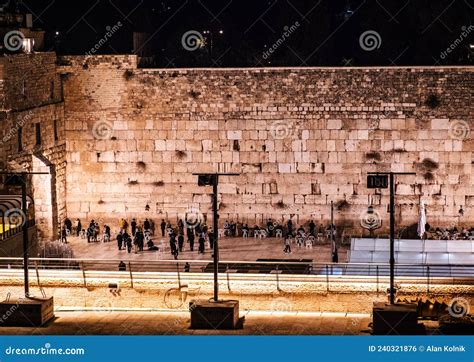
x: 329, y: 274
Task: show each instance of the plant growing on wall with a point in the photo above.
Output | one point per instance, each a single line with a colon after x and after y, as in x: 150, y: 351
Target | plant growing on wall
x: 180, y: 154
x: 373, y: 155
x: 128, y: 74
x: 342, y: 205
x: 280, y: 205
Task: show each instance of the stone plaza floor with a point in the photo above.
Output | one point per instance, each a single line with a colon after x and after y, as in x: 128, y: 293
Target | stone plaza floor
x: 177, y: 323
x: 230, y: 249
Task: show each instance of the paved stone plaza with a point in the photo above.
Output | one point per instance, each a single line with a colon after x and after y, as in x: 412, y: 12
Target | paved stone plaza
x: 231, y: 249
x: 177, y: 323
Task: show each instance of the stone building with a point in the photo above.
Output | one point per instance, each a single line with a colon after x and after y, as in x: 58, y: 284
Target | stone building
x: 116, y: 139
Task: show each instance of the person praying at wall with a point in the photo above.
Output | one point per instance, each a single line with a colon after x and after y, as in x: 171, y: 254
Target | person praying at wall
x: 163, y: 228
x: 119, y: 240
x: 78, y: 227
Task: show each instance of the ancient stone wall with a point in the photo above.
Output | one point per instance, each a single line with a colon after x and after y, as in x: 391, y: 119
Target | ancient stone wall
x: 300, y: 137
x: 30, y: 94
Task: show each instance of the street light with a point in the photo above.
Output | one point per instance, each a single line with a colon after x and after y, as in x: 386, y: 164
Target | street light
x: 212, y: 179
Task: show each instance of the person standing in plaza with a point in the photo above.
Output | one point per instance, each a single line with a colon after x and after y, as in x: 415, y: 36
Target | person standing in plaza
x: 146, y: 225
x: 287, y: 244
x: 180, y: 242
x: 139, y: 237
x: 133, y: 224
x: 163, y: 227
x: 201, y: 244
x: 211, y: 239
x: 180, y: 227
x: 173, y: 247
x: 68, y: 225
x: 128, y: 242
x: 78, y: 227
x: 106, y: 233
x: 123, y: 225
x: 290, y: 227
x: 64, y: 235
x: 191, y: 240
x: 119, y: 241
x: 312, y: 227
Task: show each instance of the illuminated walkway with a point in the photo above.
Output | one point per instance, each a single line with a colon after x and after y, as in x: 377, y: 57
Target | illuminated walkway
x: 173, y: 323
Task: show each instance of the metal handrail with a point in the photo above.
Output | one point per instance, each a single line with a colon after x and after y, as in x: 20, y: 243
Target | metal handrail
x: 174, y: 261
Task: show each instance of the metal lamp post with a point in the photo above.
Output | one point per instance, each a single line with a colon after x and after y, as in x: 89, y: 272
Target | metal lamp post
x: 208, y: 179
x: 380, y: 180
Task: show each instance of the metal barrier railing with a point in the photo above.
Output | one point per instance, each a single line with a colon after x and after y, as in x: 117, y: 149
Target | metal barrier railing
x: 328, y: 274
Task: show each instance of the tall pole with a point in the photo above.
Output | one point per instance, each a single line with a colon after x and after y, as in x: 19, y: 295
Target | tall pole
x: 215, y: 237
x: 392, y: 239
x: 333, y: 242
x: 25, y: 235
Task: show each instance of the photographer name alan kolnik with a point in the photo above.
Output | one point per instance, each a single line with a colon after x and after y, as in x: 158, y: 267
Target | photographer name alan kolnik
x: 459, y: 348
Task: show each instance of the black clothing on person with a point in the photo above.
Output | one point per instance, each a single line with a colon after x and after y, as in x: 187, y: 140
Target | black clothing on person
x: 119, y: 241
x: 180, y: 242
x: 201, y: 245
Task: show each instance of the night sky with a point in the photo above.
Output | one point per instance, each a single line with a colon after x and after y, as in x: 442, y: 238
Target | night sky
x: 325, y: 32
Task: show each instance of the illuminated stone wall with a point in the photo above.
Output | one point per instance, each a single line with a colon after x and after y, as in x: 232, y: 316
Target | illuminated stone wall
x: 300, y: 137
x: 31, y: 93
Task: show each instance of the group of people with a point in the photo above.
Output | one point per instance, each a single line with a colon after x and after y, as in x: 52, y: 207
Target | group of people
x: 138, y: 236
